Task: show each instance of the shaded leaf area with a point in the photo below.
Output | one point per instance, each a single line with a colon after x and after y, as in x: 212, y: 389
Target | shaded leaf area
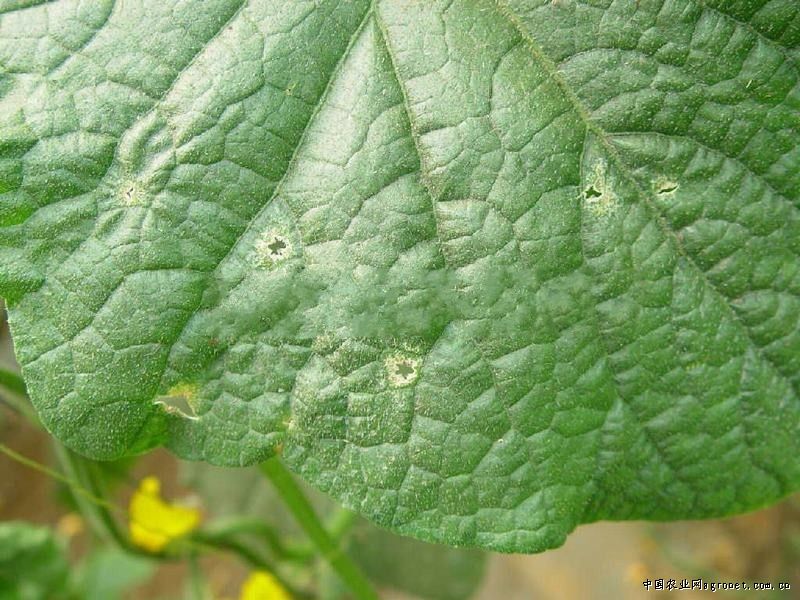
x: 480, y: 270
x: 109, y: 574
x: 425, y: 570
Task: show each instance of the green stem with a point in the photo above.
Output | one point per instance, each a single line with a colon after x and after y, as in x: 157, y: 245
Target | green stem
x: 88, y: 476
x: 89, y: 510
x: 246, y: 554
x: 196, y: 580
x: 340, y: 524
x: 20, y: 405
x: 301, y: 508
x: 12, y: 381
x: 15, y: 395
x: 95, y: 508
x: 91, y: 500
x: 234, y: 526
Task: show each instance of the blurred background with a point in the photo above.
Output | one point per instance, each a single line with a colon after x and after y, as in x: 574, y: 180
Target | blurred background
x: 57, y: 543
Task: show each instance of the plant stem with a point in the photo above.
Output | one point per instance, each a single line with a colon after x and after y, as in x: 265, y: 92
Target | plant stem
x: 234, y: 526
x: 19, y: 405
x: 90, y: 511
x: 340, y: 523
x: 247, y: 555
x: 12, y: 381
x: 302, y: 510
x: 88, y: 477
x: 15, y: 395
x: 195, y: 578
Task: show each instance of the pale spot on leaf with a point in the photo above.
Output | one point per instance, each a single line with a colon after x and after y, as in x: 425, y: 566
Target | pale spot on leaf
x: 271, y: 248
x: 599, y: 194
x: 130, y: 194
x: 401, y: 370
x: 180, y: 400
x: 665, y: 186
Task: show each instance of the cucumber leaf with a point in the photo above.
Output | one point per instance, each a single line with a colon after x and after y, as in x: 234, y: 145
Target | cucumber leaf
x: 482, y: 270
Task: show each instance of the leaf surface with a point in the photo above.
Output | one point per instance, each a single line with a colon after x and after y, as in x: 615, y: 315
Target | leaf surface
x: 481, y: 270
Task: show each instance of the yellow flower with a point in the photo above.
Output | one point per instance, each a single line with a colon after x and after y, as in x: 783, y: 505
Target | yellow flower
x: 263, y: 586
x: 155, y: 523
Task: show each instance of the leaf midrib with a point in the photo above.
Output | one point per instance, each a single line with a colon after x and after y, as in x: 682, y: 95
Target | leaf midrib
x: 602, y: 135
x: 320, y: 104
x: 427, y: 184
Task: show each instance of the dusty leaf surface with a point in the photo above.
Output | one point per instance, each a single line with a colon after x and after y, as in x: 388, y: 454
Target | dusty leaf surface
x: 481, y: 270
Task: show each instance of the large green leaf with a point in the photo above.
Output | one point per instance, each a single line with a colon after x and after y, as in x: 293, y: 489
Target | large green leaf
x: 482, y: 270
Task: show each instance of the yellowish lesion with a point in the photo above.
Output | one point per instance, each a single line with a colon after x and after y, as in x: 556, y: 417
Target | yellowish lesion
x: 401, y: 370
x: 181, y: 394
x: 130, y: 194
x: 598, y: 193
x: 323, y: 343
x: 664, y: 186
x: 185, y: 390
x: 271, y: 248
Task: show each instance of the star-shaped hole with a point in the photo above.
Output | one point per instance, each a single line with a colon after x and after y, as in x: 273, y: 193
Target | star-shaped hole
x: 404, y: 370
x: 277, y: 246
x: 271, y: 248
x: 592, y: 192
x: 401, y: 370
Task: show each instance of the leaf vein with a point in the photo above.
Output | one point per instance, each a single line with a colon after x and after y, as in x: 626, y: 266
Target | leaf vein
x: 550, y: 68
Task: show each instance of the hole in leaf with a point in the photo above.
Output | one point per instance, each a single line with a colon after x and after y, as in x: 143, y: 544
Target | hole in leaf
x: 130, y: 194
x: 177, y: 405
x: 179, y: 401
x: 666, y: 187
x: 276, y: 246
x: 401, y: 370
x: 272, y: 248
x: 599, y: 196
x: 592, y: 192
x: 405, y: 370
